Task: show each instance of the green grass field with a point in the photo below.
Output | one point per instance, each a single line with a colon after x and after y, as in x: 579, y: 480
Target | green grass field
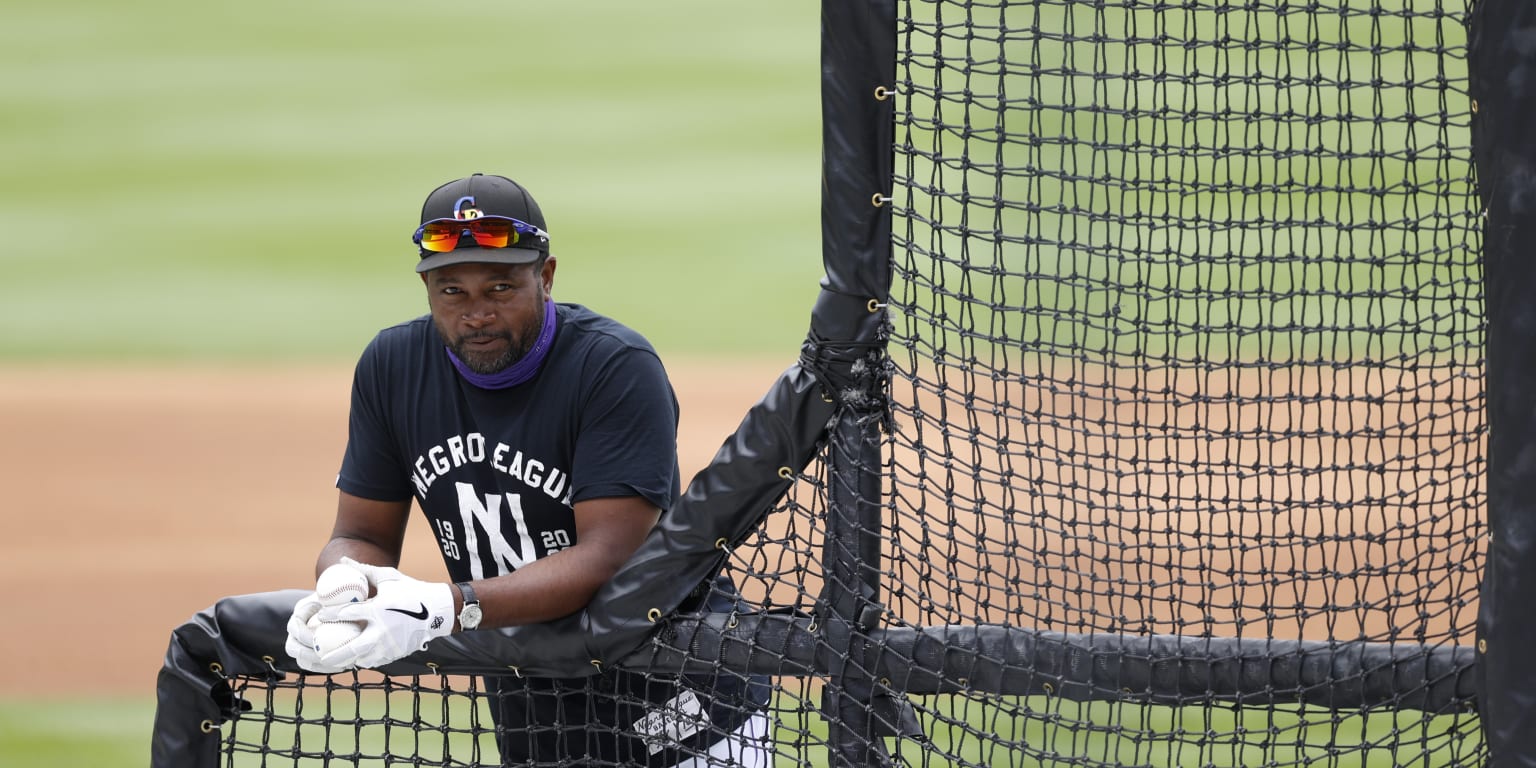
x: 198, y: 181
x: 107, y: 731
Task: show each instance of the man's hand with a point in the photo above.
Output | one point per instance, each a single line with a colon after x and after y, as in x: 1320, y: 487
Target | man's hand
x: 402, y: 616
x: 301, y: 637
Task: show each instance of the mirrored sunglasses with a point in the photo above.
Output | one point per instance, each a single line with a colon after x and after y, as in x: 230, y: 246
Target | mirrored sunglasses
x: 443, y: 235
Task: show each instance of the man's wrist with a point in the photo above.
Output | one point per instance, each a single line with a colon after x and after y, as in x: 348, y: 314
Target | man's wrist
x: 467, y: 607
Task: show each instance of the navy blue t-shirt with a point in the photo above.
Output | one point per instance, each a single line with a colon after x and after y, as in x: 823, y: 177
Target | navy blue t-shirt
x: 497, y: 472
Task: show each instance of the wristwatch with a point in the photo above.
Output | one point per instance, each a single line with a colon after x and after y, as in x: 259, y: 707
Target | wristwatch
x: 470, y: 615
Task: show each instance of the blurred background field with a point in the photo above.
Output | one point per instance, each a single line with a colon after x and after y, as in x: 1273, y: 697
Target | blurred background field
x: 216, y: 186
x: 239, y: 181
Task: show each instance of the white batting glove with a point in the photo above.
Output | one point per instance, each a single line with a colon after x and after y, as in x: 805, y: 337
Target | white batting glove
x: 301, y: 637
x: 402, y: 616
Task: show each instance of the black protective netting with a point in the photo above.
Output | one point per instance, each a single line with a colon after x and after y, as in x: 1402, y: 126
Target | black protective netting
x: 365, y: 718
x: 1183, y: 459
x: 1188, y: 337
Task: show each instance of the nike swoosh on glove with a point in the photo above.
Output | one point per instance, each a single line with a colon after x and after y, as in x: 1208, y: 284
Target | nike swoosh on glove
x: 400, y: 619
x: 301, y: 637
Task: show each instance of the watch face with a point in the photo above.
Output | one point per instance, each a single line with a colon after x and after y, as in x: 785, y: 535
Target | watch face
x: 469, y: 618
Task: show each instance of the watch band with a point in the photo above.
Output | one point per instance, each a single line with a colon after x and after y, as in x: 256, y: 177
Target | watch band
x: 469, y: 615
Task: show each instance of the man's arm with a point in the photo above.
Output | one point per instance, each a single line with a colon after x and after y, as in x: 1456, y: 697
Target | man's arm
x: 404, y: 614
x: 608, y: 531
x: 367, y: 531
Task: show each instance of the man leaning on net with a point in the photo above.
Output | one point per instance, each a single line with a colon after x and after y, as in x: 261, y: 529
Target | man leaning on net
x: 539, y: 440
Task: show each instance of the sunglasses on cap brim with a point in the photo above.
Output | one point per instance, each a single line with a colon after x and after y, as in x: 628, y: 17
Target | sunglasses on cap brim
x: 444, y: 235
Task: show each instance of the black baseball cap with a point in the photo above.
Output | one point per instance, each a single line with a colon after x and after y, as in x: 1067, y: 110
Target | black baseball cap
x: 474, y: 197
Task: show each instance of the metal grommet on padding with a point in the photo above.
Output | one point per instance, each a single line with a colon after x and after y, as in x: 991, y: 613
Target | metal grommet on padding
x: 786, y: 473
x: 731, y: 623
x: 1482, y: 645
x: 815, y: 622
x: 432, y: 665
x: 269, y: 660
x: 878, y: 199
x: 216, y: 668
x: 1048, y: 688
x: 721, y: 543
x: 515, y: 670
x: 654, y: 615
x: 882, y: 93
x: 208, y: 726
x: 598, y: 663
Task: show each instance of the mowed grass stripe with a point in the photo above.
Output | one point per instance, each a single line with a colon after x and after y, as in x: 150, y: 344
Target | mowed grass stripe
x: 271, y: 157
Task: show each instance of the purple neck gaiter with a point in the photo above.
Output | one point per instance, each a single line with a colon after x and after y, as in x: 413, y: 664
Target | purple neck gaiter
x: 523, y: 369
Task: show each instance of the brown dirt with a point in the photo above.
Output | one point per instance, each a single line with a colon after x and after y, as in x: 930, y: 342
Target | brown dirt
x: 142, y: 495
x: 145, y: 494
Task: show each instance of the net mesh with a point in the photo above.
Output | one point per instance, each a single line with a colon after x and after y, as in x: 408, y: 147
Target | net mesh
x: 1185, y: 339
x: 1188, y: 336
x: 366, y: 718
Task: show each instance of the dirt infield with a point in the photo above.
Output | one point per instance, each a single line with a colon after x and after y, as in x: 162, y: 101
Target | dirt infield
x: 145, y: 494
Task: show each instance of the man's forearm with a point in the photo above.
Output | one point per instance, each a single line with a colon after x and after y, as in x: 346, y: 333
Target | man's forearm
x: 361, y: 550
x: 549, y: 588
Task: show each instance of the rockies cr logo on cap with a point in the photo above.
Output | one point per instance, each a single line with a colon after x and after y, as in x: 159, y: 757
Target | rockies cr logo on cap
x: 464, y: 209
